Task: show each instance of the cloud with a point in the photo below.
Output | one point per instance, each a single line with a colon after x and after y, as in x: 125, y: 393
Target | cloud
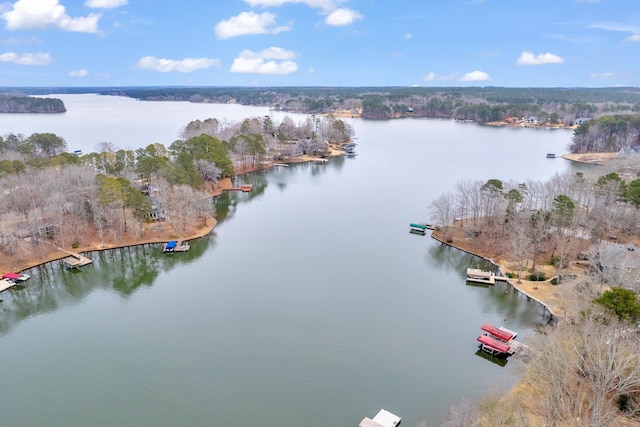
x: 615, y: 26
x: 634, y: 38
x: 77, y: 73
x: 186, y: 65
x: 248, y: 23
x: 26, y: 58
x: 336, y: 16
x: 603, y: 76
x: 475, y: 76
x: 44, y: 14
x: 431, y: 77
x: 408, y: 36
x: 528, y: 58
x: 326, y: 5
x: 341, y: 17
x: 13, y: 41
x: 105, y: 4
x: 273, y: 60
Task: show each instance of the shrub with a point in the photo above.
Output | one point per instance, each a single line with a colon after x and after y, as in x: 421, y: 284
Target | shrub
x: 554, y: 281
x: 536, y: 277
x: 622, y: 301
x: 554, y: 259
x: 75, y: 245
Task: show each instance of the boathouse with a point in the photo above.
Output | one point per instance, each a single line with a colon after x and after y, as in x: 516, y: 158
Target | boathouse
x: 384, y: 418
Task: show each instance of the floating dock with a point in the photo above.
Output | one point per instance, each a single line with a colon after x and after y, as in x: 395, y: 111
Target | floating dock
x: 176, y: 246
x: 382, y: 419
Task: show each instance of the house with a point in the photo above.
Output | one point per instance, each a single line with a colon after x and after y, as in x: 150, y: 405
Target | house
x: 532, y: 120
x: 157, y: 213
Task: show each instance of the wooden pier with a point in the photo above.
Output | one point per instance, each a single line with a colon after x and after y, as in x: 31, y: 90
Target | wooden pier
x: 176, y: 246
x: 75, y: 260
x: 244, y: 188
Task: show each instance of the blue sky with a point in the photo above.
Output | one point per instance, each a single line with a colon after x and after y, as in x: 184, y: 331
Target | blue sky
x: 544, y: 43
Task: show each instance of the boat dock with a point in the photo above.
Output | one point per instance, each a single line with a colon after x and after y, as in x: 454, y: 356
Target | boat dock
x: 418, y: 228
x: 244, y: 188
x: 480, y: 276
x: 382, y: 419
x: 6, y: 284
x: 476, y: 275
x: 176, y: 246
x: 499, y: 341
x: 75, y: 261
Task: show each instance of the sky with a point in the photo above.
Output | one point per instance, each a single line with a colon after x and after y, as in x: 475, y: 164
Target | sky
x: 543, y: 43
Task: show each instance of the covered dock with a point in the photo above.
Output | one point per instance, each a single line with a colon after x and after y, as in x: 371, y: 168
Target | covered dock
x: 384, y: 418
x: 493, y: 346
x: 176, y: 246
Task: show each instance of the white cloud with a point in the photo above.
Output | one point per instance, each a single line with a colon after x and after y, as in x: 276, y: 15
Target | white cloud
x: 43, y: 14
x: 603, y: 76
x: 105, y: 4
x: 528, y: 58
x: 248, y: 23
x: 475, y: 76
x: 408, y: 36
x: 634, y: 38
x: 326, y: 5
x: 186, y: 65
x: 273, y: 60
x: 77, y: 73
x: 26, y: 58
x: 342, y: 16
x: 311, y: 70
x: 431, y: 76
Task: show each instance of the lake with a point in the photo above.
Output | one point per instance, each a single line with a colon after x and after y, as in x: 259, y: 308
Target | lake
x: 310, y: 303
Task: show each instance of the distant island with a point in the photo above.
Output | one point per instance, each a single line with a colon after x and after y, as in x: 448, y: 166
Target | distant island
x: 18, y: 103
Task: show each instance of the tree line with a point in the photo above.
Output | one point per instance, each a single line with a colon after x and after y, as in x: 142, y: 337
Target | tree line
x: 482, y: 104
x: 26, y: 104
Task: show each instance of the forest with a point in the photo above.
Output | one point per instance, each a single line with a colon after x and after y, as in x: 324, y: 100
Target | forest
x: 583, y: 228
x: 52, y: 197
x: 608, y: 134
x: 19, y: 103
x: 482, y: 104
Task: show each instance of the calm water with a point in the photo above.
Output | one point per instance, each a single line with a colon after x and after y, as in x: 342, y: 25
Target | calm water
x: 311, y: 303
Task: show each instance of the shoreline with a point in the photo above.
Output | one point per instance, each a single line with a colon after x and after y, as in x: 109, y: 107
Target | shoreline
x: 209, y: 224
x: 525, y: 287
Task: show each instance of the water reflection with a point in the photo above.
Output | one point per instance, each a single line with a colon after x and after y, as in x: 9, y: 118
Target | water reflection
x: 122, y: 270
